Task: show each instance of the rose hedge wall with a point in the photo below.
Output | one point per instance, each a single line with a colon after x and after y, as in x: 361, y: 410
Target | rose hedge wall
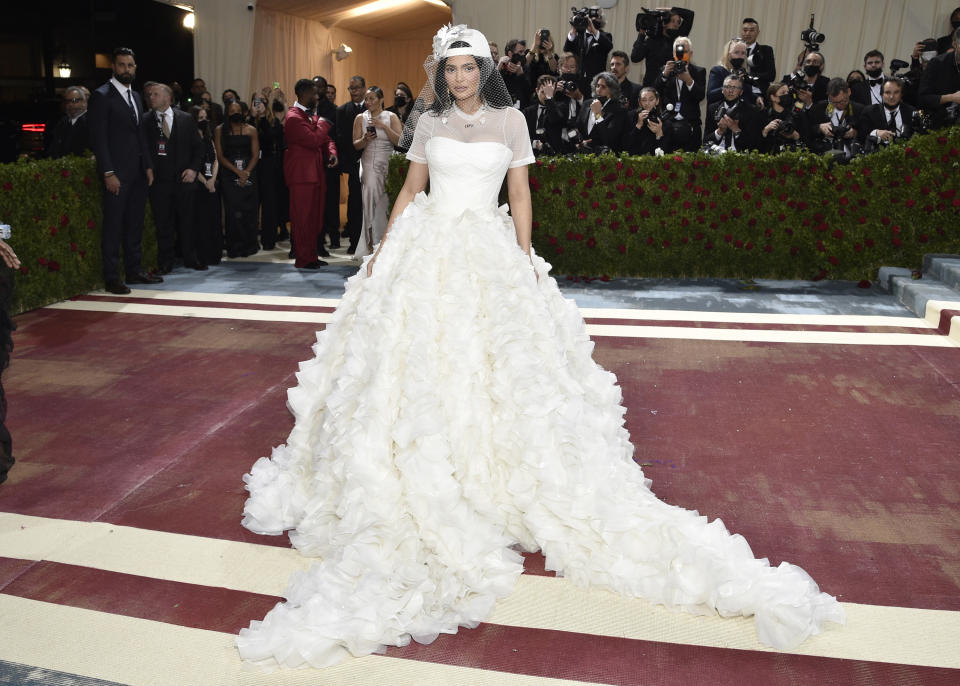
x: 53, y: 207
x: 787, y: 216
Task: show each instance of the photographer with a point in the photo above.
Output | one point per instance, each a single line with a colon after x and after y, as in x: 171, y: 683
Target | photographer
x: 648, y: 131
x: 541, y: 59
x: 761, y: 63
x: 733, y: 61
x: 832, y: 125
x: 656, y: 33
x: 682, y: 85
x: 735, y: 124
x: 512, y: 68
x: 945, y: 43
x: 544, y: 119
x: 568, y: 101
x: 940, y: 85
x: 809, y: 82
x: 882, y: 124
x: 588, y: 41
x: 870, y: 92
x: 602, y: 119
x: 781, y: 122
x: 629, y: 91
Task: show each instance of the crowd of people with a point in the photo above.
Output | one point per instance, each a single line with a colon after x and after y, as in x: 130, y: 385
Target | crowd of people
x: 583, y: 100
x: 238, y: 176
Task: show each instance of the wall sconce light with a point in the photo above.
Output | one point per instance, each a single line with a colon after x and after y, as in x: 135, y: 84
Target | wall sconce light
x: 343, y: 52
x: 189, y: 20
x: 64, y: 70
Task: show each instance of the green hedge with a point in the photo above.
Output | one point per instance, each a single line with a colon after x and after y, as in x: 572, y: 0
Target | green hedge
x: 787, y: 216
x: 53, y: 207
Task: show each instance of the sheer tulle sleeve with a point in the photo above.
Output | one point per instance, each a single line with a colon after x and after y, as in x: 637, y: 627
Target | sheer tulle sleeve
x: 517, y: 138
x: 423, y: 132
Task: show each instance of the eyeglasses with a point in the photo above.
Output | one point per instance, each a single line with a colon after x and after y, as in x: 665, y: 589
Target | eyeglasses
x: 731, y: 87
x: 73, y: 100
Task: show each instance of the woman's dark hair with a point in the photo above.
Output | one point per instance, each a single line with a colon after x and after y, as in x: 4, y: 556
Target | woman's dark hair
x: 195, y: 111
x: 376, y: 90
x: 443, y: 101
x: 401, y: 86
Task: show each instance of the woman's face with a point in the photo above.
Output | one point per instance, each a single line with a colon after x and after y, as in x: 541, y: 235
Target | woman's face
x: 738, y: 50
x: 463, y: 76
x: 233, y: 107
x: 202, y: 115
x: 372, y: 101
x: 258, y: 107
x: 781, y: 91
x: 648, y: 100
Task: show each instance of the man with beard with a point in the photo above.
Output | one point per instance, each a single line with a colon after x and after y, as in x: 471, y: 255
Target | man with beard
x: 331, y: 212
x: 890, y: 119
x: 123, y: 162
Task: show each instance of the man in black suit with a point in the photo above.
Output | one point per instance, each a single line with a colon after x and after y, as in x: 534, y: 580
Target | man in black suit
x: 833, y: 124
x: 945, y: 43
x: 732, y: 124
x: 325, y: 109
x: 619, y: 66
x: 513, y: 70
x: 683, y: 90
x: 761, y: 63
x: 568, y: 100
x: 176, y: 152
x: 940, y: 83
x: 544, y: 119
x: 870, y: 92
x: 816, y: 91
x: 890, y: 120
x: 350, y: 158
x: 123, y: 162
x: 658, y: 50
x: 591, y: 46
x: 71, y: 135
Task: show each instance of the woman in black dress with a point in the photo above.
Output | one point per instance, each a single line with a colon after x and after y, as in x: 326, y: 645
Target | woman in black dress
x: 274, y: 198
x: 207, y: 207
x: 238, y: 150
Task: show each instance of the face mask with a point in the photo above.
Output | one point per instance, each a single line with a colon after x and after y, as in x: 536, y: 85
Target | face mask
x: 278, y: 106
x: 236, y: 117
x: 125, y: 79
x: 400, y: 101
x: 673, y: 33
x: 874, y: 73
x: 811, y: 69
x: 203, y: 124
x: 785, y: 100
x: 955, y: 23
x: 736, y: 62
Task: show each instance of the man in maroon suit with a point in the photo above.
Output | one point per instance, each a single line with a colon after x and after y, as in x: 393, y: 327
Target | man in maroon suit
x: 307, y: 142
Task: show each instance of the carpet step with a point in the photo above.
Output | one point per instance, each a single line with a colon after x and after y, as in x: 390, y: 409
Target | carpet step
x: 945, y: 268
x: 929, y: 297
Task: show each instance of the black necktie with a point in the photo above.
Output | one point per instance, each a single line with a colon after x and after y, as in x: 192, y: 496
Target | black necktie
x: 541, y: 110
x: 893, y: 121
x: 875, y: 82
x: 133, y: 108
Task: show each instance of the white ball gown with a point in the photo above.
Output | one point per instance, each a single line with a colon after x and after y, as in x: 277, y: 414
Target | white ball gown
x: 453, y: 416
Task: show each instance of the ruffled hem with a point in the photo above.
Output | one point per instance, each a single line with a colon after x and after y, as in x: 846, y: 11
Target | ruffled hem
x: 452, y: 414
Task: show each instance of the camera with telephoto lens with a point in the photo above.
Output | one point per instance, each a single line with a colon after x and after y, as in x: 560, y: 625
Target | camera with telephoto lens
x: 796, y: 82
x: 811, y: 37
x: 580, y: 18
x: 907, y: 78
x: 680, y: 64
x: 650, y: 22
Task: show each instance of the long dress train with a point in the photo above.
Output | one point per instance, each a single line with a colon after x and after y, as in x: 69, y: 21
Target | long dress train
x: 453, y: 415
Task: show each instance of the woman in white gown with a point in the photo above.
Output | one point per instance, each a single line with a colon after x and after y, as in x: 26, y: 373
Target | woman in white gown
x: 453, y: 416
x: 375, y: 132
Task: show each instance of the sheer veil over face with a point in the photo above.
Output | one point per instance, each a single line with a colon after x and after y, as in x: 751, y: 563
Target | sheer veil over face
x: 454, y: 48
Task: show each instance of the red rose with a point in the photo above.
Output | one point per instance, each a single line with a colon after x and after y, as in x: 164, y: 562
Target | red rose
x: 83, y: 253
x: 595, y: 204
x: 552, y: 240
x: 645, y: 213
x: 598, y: 221
x: 895, y: 229
x: 868, y: 242
x: 628, y: 203
x: 727, y: 237
x: 536, y: 224
x: 588, y: 183
x: 833, y: 260
x: 838, y: 233
x: 650, y: 240
x: 539, y: 163
x: 570, y: 235
x: 736, y: 212
x: 606, y: 277
x: 64, y: 173
x: 73, y: 247
x: 684, y: 222
x: 53, y: 196
x: 923, y: 238
x: 24, y: 269
x: 620, y: 186
x: 768, y: 248
x: 857, y: 247
x: 7, y: 186
x: 864, y: 283
x: 613, y: 207
x: 589, y: 174
x: 634, y: 228
x: 578, y: 236
x: 552, y: 167
x: 821, y: 247
x: 571, y: 203
x: 911, y: 203
x: 53, y: 266
x: 708, y: 245
x: 629, y: 172
x: 666, y: 243
x: 53, y: 231
x: 794, y: 250
x: 581, y: 215
x: 897, y: 242
x: 591, y: 243
x: 820, y: 276
x: 559, y: 250
x: 737, y: 243
x: 572, y: 182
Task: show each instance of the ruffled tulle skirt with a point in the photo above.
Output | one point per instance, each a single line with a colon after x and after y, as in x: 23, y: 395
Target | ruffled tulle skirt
x: 453, y: 415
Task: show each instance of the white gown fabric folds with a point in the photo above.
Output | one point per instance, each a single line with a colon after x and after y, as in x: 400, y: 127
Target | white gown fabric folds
x: 452, y: 416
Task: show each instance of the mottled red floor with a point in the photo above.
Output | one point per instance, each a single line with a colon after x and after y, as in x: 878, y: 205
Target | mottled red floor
x: 840, y: 458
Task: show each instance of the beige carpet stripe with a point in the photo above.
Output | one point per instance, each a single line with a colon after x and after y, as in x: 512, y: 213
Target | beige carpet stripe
x: 621, y: 331
x: 933, y: 310
x: 136, y: 651
x: 586, y: 312
x: 873, y: 633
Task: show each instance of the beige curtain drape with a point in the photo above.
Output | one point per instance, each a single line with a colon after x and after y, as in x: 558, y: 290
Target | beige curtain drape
x: 852, y: 27
x: 222, y: 40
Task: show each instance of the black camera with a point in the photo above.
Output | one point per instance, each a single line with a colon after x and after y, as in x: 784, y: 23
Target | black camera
x: 907, y: 78
x: 786, y: 126
x: 796, y: 82
x: 654, y: 117
x: 728, y: 109
x: 929, y: 45
x: 811, y: 37
x: 519, y: 57
x: 580, y: 18
x: 680, y: 64
x: 567, y: 86
x: 839, y: 131
x: 650, y: 22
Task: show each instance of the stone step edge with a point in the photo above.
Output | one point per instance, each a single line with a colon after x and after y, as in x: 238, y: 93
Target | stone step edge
x: 943, y: 267
x: 927, y: 298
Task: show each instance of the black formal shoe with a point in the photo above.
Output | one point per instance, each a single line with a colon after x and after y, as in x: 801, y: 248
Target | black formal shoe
x: 143, y: 277
x: 200, y: 267
x: 232, y: 254
x: 165, y: 269
x: 323, y: 252
x: 249, y: 251
x: 117, y: 287
x: 269, y: 246
x: 335, y: 245
x: 291, y: 255
x: 314, y: 265
x: 284, y: 236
